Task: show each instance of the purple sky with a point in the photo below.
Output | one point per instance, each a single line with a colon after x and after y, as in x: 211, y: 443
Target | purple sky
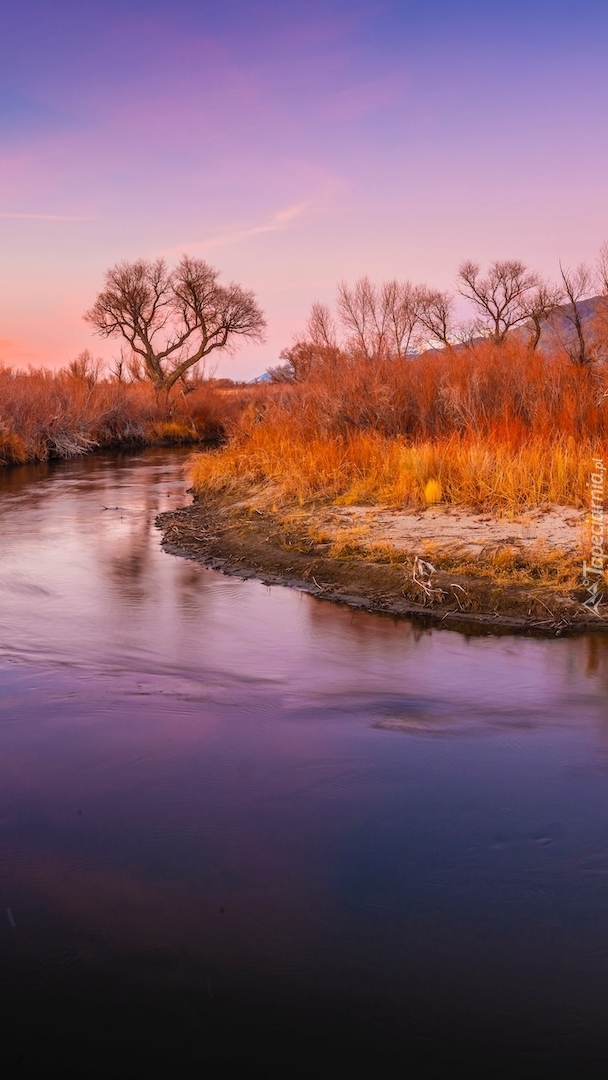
x: 291, y: 145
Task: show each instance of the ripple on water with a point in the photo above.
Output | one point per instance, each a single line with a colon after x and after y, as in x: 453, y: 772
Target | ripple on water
x: 207, y: 783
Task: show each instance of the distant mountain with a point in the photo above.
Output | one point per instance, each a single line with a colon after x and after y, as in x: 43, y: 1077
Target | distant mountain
x: 558, y: 327
x: 260, y: 379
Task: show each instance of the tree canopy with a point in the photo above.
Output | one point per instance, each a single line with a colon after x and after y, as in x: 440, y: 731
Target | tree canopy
x: 172, y: 318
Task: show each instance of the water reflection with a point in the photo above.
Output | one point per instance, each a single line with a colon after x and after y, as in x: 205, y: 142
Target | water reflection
x: 83, y: 578
x: 215, y: 795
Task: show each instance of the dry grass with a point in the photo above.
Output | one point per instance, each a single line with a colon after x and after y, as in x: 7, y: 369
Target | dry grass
x: 46, y: 414
x: 470, y: 470
x: 495, y: 428
x: 537, y: 565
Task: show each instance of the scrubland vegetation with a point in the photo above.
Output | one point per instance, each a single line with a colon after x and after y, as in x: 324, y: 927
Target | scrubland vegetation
x: 493, y: 426
x: 384, y: 400
x: 169, y: 321
x: 388, y: 400
x: 59, y: 414
x: 496, y: 427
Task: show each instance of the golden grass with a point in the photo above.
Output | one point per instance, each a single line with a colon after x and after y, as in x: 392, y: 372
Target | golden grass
x: 432, y: 492
x: 284, y: 466
x: 174, y: 431
x: 538, y: 565
x: 495, y: 428
x: 12, y: 448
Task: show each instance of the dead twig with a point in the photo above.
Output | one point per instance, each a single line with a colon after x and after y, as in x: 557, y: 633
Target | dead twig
x: 551, y: 613
x: 422, y: 571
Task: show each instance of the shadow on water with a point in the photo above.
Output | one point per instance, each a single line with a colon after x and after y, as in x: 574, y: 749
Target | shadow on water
x: 247, y: 832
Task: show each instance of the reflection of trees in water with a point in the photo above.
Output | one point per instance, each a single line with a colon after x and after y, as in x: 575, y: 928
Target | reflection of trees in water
x: 593, y: 663
x: 127, y: 559
x: 366, y: 630
x: 28, y: 480
x: 17, y: 480
x: 125, y: 585
x: 46, y: 484
x: 580, y: 664
x: 596, y: 656
x: 584, y: 656
x: 193, y: 591
x: 124, y: 553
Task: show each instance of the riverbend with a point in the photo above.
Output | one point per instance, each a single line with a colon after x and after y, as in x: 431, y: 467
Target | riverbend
x: 240, y: 823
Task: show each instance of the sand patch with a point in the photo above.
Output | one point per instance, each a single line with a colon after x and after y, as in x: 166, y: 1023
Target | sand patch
x: 555, y: 527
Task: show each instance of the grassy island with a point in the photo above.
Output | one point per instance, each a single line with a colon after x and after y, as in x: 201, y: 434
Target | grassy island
x: 454, y: 484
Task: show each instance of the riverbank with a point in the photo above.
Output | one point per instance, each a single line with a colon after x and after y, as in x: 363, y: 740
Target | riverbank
x: 51, y: 415
x: 442, y: 564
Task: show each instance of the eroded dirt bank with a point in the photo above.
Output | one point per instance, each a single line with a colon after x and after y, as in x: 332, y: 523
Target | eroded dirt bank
x: 445, y: 566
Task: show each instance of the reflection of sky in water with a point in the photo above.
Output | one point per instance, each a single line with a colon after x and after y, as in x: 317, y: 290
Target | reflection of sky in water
x: 90, y: 586
x: 174, y: 743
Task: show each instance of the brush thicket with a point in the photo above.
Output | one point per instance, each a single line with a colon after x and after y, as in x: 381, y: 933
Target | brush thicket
x: 494, y: 427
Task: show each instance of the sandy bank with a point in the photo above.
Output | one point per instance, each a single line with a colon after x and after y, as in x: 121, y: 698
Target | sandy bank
x: 556, y: 527
x: 443, y: 565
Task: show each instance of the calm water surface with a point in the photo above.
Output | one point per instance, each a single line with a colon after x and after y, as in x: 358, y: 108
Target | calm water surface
x: 236, y: 820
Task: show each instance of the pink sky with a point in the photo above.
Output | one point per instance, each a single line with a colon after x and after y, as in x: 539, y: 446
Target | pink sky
x: 290, y: 145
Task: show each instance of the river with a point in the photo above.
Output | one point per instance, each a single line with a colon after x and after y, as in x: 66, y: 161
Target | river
x: 236, y: 819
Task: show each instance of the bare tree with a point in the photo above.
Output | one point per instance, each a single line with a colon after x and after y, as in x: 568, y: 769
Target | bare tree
x: 299, y: 361
x: 126, y: 368
x: 303, y: 359
x: 380, y: 322
x: 119, y: 368
x: 171, y: 319
x: 579, y: 284
x: 85, y: 368
x: 437, y: 315
x: 317, y: 348
x: 538, y: 305
x: 601, y: 314
x: 500, y: 297
x: 361, y: 316
x: 320, y: 328
x: 602, y: 270
x: 401, y: 304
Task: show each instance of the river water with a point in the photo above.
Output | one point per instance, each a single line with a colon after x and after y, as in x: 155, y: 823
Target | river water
x: 240, y: 821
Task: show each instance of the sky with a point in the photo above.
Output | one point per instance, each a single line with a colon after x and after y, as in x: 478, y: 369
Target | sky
x: 290, y: 145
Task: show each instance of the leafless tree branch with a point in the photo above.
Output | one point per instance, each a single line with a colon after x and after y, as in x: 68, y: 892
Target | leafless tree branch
x: 579, y: 284
x: 500, y: 297
x: 171, y: 319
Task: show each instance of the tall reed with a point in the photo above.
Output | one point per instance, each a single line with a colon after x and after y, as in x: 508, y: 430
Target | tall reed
x: 495, y: 427
x: 45, y: 414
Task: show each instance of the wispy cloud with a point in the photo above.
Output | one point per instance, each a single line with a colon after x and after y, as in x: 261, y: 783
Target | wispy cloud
x: 45, y: 217
x: 277, y: 223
